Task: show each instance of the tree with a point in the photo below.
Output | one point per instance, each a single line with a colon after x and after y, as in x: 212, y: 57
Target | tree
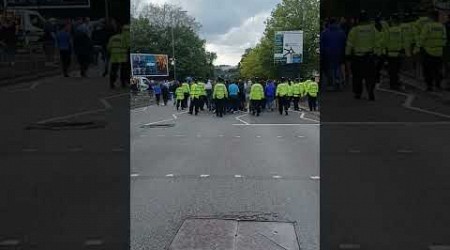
x: 288, y: 15
x: 151, y: 32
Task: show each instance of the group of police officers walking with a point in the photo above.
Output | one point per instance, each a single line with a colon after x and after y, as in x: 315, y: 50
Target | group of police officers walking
x: 371, y: 44
x: 221, y: 95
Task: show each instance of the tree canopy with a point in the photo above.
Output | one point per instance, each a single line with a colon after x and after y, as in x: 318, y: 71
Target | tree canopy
x: 288, y: 15
x: 151, y: 32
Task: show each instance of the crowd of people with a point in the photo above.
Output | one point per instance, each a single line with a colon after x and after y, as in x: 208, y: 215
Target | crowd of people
x: 227, y: 97
x: 362, y: 48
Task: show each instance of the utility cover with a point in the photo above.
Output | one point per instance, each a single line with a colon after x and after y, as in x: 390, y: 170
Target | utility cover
x: 208, y: 234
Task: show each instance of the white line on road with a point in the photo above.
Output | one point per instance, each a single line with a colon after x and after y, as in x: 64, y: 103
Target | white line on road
x: 174, y: 116
x: 151, y: 123
x: 279, y: 136
x: 71, y: 116
x: 238, y: 176
x: 10, y: 242
x: 278, y: 124
x: 134, y: 175
x: 204, y: 175
x: 300, y: 136
x: 169, y: 175
x: 349, y: 246
x: 93, y: 243
x: 387, y: 123
x: 315, y: 177
x: 237, y: 136
x: 258, y: 136
x: 105, y: 103
x: 277, y: 177
x: 239, y: 119
x: 221, y: 135
x: 404, y: 151
x: 179, y: 135
x: 198, y: 136
x: 439, y: 247
x: 161, y: 135
x: 139, y: 109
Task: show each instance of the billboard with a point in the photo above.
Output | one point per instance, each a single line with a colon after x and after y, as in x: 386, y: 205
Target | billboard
x: 288, y: 47
x: 149, y: 64
x: 47, y: 4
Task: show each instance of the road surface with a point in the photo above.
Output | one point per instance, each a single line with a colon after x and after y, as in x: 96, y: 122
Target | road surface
x: 239, y: 166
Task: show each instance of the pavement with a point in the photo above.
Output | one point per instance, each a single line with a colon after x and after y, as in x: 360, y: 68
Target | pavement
x: 64, y: 188
x: 237, y: 167
x: 384, y: 171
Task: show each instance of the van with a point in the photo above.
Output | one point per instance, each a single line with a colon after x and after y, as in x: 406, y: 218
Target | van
x: 30, y: 25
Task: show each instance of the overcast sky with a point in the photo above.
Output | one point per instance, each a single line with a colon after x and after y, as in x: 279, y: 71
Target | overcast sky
x: 229, y: 26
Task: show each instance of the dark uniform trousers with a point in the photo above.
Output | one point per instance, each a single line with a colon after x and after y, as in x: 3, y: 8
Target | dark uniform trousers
x: 124, y: 73
x: 296, y: 101
x: 394, y: 64
x: 194, y: 105
x: 363, y: 68
x: 256, y: 106
x: 283, y: 102
x: 220, y: 107
x: 432, y: 70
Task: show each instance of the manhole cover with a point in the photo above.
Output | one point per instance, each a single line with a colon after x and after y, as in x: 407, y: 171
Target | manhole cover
x: 203, y: 234
x: 169, y: 125
x: 64, y: 125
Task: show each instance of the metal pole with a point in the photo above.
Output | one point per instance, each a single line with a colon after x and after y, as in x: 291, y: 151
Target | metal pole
x: 173, y: 55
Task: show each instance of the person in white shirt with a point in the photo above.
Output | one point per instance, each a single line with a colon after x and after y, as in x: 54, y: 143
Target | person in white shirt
x: 208, y: 89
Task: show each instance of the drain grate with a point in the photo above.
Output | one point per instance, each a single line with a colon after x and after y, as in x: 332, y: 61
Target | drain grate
x: 66, y: 125
x: 168, y: 125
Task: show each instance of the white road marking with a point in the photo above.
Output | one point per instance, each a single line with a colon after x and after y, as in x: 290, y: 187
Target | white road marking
x: 278, y: 124
x: 238, y: 176
x: 279, y: 136
x: 237, y: 136
x: 439, y: 247
x: 93, y: 243
x: 169, y: 175
x: 71, y: 116
x: 302, y: 116
x: 29, y: 149
x: 404, y: 151
x: 349, y: 246
x: 34, y: 85
x: 388, y: 123
x: 139, y: 109
x: 10, y: 242
x: 315, y: 177
x: 277, y: 177
x: 300, y: 136
x: 408, y: 103
x: 258, y: 136
x: 221, y: 135
x: 179, y: 135
x: 151, y: 123
x: 174, y: 116
x: 204, y: 175
x: 198, y: 136
x: 105, y: 103
x: 134, y: 175
x: 239, y: 119
x: 161, y: 135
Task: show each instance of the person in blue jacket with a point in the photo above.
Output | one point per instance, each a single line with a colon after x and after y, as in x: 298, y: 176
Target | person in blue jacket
x: 270, y: 94
x: 233, y: 92
x: 157, y: 91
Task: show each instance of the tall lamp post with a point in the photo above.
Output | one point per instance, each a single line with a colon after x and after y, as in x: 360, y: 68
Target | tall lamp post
x: 174, y: 60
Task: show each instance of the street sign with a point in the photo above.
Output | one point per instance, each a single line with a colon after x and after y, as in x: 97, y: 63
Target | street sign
x: 288, y: 47
x: 149, y: 64
x: 48, y: 4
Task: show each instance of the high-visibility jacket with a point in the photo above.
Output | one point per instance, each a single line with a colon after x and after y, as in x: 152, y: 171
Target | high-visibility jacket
x: 409, y: 37
x: 186, y: 87
x: 282, y: 90
x: 433, y: 39
x: 179, y: 92
x: 296, y: 89
x: 313, y: 88
x: 362, y: 39
x: 290, y: 93
x: 201, y: 87
x: 116, y: 49
x: 256, y: 92
x: 220, y: 91
x: 195, y: 91
x: 392, y: 41
x: 302, y: 89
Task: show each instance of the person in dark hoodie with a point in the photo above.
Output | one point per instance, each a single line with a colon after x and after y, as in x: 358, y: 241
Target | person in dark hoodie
x: 332, y: 44
x: 83, y: 48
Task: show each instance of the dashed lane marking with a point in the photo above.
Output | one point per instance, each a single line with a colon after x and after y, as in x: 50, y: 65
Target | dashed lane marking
x: 134, y: 175
x: 315, y: 177
x: 300, y: 136
x: 9, y: 243
x: 221, y: 135
x: 258, y: 136
x: 279, y: 136
x: 179, y: 135
x: 277, y: 177
x: 139, y: 110
x: 161, y: 135
x: 237, y: 136
x: 204, y: 175
x: 169, y: 175
x: 238, y: 176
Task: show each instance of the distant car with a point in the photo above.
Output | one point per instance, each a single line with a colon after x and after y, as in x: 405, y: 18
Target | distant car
x: 143, y: 83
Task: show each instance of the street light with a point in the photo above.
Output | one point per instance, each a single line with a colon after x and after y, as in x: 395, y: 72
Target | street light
x: 173, y: 46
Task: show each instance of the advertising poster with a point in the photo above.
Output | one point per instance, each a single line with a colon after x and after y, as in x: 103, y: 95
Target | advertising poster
x: 288, y: 47
x: 149, y: 65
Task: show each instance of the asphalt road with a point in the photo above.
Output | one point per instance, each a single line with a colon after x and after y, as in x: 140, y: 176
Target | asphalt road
x: 384, y: 171
x: 222, y: 168
x: 65, y: 189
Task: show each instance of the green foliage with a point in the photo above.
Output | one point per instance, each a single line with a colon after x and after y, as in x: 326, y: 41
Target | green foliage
x: 288, y: 15
x: 151, y: 32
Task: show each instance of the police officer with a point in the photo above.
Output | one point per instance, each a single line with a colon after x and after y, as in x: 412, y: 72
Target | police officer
x: 312, y: 93
x: 296, y: 93
x: 186, y: 90
x: 282, y: 94
x: 202, y: 93
x: 179, y: 94
x: 118, y: 47
x: 220, y: 94
x: 195, y: 96
x: 392, y: 44
x: 290, y: 94
x: 432, y: 40
x: 256, y: 97
x: 362, y: 44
